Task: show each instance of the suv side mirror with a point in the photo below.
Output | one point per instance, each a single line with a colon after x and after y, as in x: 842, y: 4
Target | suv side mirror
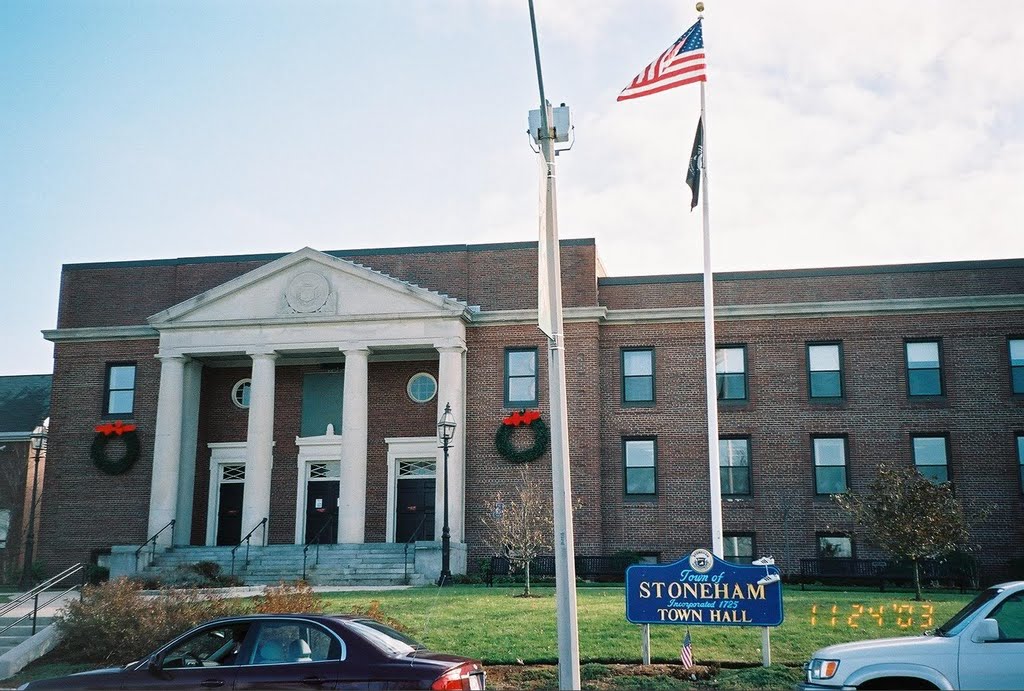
x: 986, y: 631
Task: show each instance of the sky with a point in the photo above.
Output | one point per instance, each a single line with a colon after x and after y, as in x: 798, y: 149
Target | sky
x: 838, y: 133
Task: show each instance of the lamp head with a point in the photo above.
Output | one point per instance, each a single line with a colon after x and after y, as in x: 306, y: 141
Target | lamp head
x: 446, y: 425
x: 39, y: 438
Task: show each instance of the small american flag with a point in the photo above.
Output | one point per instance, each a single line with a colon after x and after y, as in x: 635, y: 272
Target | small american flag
x: 682, y: 63
x: 686, y: 652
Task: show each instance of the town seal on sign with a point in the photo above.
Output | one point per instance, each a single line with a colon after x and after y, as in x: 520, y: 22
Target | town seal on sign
x: 701, y: 560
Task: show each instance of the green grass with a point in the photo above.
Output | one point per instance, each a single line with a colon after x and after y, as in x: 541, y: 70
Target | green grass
x: 499, y: 628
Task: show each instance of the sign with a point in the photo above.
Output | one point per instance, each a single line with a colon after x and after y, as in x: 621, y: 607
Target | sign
x: 703, y: 589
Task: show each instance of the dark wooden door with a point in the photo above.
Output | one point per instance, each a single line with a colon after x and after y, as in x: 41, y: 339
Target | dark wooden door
x: 321, y: 511
x: 415, y: 504
x: 229, y: 513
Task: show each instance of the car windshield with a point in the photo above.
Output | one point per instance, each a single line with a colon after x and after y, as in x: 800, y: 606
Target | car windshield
x: 385, y: 637
x: 956, y: 624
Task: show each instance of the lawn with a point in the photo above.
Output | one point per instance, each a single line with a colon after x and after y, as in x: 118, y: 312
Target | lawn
x: 499, y: 628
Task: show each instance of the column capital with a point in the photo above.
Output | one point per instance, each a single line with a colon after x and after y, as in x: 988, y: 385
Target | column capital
x: 172, y: 357
x: 450, y: 345
x: 262, y: 354
x: 355, y: 348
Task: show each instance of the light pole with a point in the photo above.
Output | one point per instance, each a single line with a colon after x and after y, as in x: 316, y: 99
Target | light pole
x: 38, y: 444
x: 445, y: 433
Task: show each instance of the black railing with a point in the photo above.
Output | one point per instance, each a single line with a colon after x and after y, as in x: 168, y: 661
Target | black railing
x: 412, y: 539
x: 594, y: 568
x: 316, y: 541
x: 245, y: 541
x: 37, y: 591
x: 151, y: 542
x: 879, y: 571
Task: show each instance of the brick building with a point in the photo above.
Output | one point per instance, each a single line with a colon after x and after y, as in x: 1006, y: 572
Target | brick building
x: 305, y: 389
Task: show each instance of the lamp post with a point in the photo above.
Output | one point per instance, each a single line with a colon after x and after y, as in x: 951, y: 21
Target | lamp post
x: 38, y: 444
x: 445, y: 433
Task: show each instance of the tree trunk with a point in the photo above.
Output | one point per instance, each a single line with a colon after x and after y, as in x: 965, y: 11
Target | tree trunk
x: 526, y: 588
x: 917, y: 580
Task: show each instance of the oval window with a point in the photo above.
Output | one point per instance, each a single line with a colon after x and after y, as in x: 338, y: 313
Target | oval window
x: 422, y: 387
x: 240, y: 393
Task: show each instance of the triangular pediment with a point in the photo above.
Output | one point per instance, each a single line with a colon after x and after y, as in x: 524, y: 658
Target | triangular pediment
x: 309, y: 285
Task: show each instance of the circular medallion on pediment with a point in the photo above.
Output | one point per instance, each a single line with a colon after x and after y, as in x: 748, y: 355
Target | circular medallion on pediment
x: 307, y: 292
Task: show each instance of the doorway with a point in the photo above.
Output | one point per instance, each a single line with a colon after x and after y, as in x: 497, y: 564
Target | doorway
x: 414, y: 509
x: 230, y: 493
x: 323, y: 487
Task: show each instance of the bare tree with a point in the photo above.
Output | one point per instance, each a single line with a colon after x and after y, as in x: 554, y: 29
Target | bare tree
x: 910, y: 517
x: 521, y: 526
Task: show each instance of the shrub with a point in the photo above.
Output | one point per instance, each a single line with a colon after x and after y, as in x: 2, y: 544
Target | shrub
x: 289, y: 598
x: 374, y: 612
x: 94, y: 575
x: 114, y: 623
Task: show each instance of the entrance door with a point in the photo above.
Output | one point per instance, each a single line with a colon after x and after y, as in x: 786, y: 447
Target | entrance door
x: 414, y: 509
x: 229, y: 513
x: 322, y: 511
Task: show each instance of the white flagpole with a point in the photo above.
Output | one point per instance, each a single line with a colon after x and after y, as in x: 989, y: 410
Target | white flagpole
x: 715, y: 480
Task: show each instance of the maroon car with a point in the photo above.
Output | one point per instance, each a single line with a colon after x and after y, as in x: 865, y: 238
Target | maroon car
x: 286, y: 651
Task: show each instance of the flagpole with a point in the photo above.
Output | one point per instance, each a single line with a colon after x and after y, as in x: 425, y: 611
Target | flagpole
x: 565, y: 562
x: 711, y: 386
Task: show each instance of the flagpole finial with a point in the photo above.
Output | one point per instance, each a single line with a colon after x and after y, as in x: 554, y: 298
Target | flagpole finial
x: 700, y: 7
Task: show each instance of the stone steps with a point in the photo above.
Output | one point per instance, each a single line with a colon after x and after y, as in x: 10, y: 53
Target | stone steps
x: 19, y: 632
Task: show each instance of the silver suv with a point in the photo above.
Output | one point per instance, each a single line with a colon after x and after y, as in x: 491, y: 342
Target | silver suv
x: 981, y: 647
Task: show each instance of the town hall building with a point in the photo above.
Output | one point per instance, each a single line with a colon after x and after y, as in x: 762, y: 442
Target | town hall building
x: 294, y: 399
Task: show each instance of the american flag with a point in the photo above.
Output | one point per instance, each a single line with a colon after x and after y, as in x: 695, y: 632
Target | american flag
x: 682, y: 63
x: 686, y: 653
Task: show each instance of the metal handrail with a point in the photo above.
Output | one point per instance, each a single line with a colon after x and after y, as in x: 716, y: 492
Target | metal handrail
x: 152, y: 553
x: 412, y: 538
x: 34, y: 595
x: 261, y: 524
x: 316, y: 541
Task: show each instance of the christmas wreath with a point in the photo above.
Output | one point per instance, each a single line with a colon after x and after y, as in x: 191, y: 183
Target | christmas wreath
x: 541, y: 436
x: 104, y: 432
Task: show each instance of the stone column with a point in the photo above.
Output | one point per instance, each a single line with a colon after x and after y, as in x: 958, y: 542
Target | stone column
x: 163, y: 493
x: 259, y: 450
x: 451, y: 388
x: 189, y: 440
x: 354, y: 417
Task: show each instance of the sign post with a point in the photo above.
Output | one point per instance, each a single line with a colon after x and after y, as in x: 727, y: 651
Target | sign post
x: 703, y: 589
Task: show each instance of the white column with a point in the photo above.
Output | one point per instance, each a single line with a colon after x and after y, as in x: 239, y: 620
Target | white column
x: 163, y: 493
x: 451, y: 389
x: 259, y: 459
x: 354, y: 426
x: 189, y: 439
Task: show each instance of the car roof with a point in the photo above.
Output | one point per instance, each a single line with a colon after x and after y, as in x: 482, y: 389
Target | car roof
x: 322, y: 618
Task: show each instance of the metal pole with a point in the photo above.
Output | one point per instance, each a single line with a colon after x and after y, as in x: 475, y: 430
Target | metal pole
x: 30, y: 536
x: 714, y: 479
x: 446, y: 545
x: 645, y: 643
x: 565, y: 566
x: 766, y: 647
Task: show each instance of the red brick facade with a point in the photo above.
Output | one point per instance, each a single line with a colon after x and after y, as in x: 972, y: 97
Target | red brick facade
x: 970, y: 308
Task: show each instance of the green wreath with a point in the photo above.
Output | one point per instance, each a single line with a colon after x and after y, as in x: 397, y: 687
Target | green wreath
x: 541, y: 437
x: 121, y: 465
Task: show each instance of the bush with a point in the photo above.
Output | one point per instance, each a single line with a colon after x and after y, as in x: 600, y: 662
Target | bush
x: 94, y: 575
x: 374, y: 612
x: 114, y: 623
x: 289, y: 598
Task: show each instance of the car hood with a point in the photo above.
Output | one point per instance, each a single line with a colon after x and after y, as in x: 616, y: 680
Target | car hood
x: 880, y: 647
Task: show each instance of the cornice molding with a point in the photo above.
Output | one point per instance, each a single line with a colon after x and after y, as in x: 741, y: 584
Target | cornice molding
x: 101, y: 333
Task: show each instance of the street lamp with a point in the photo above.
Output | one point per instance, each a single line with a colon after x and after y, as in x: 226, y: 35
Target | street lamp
x: 38, y: 444
x: 445, y: 433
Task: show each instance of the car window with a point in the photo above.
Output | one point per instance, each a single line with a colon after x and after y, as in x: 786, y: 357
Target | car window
x: 211, y: 647
x: 956, y: 624
x: 384, y: 636
x: 1010, y: 617
x: 287, y: 642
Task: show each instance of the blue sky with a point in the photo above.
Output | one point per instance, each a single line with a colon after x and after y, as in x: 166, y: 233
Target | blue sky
x: 838, y: 133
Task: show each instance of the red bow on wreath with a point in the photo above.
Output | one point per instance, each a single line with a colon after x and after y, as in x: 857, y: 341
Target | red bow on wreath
x: 117, y: 428
x: 521, y: 418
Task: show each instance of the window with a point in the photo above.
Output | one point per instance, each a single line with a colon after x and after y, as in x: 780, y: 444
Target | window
x: 5, y: 526
x: 322, y: 395
x: 520, y: 377
x: 731, y: 373
x: 286, y: 642
x: 1010, y: 617
x: 931, y: 456
x: 240, y: 393
x: 119, y: 397
x: 739, y: 548
x: 734, y: 465
x: 421, y: 388
x: 829, y: 464
x: 924, y: 369
x: 1017, y: 365
x: 1020, y: 458
x: 638, y: 376
x: 825, y: 370
x: 835, y: 547
x: 210, y: 647
x: 640, y: 461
